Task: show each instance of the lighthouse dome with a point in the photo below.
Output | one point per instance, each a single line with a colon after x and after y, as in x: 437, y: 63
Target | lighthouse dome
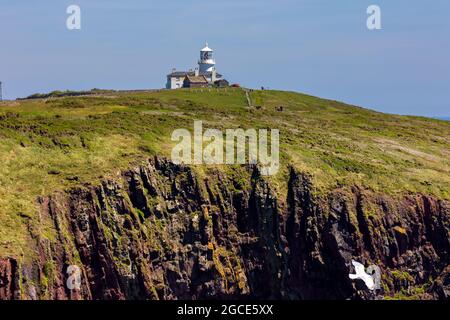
x: 207, y: 48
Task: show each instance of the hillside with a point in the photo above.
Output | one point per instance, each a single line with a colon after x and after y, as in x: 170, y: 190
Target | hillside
x: 54, y: 150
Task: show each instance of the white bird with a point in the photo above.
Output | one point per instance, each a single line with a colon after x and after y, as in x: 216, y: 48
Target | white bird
x: 361, y: 274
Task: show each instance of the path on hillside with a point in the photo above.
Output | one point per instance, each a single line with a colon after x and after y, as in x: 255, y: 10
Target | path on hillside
x: 247, y: 96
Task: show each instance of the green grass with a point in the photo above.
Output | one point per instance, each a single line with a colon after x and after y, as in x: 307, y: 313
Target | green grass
x: 58, y: 143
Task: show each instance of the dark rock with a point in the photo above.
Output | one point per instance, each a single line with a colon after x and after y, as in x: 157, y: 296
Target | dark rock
x: 163, y: 233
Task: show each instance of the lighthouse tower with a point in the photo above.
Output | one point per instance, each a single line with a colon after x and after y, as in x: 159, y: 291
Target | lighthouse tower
x: 206, y: 63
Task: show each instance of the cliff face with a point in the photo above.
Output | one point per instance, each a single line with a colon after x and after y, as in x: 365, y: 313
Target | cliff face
x: 162, y: 232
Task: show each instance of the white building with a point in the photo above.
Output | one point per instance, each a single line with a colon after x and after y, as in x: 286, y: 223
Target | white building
x: 206, y: 68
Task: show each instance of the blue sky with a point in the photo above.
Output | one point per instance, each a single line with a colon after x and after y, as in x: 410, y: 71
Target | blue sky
x: 320, y: 47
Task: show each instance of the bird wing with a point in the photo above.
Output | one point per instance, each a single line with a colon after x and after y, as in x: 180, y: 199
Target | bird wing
x: 360, y: 270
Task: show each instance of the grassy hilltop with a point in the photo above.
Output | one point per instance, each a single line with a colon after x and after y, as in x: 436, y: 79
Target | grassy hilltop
x: 51, y: 144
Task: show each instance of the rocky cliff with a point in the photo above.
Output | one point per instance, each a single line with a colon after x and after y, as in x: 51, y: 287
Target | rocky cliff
x: 164, y: 232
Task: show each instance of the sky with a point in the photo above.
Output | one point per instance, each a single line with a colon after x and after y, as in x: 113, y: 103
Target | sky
x: 318, y: 47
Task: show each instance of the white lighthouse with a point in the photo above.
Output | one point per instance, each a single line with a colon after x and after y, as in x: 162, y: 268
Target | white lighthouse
x: 206, y: 62
x: 206, y: 70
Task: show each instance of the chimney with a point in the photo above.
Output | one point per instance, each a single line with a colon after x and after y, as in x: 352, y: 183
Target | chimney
x: 196, y: 72
x: 214, y: 75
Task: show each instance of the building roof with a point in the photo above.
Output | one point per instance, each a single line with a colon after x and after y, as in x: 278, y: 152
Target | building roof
x: 209, y: 74
x: 179, y: 74
x: 196, y: 79
x: 221, y: 80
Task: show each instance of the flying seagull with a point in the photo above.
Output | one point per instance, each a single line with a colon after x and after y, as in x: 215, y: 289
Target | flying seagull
x: 361, y: 274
